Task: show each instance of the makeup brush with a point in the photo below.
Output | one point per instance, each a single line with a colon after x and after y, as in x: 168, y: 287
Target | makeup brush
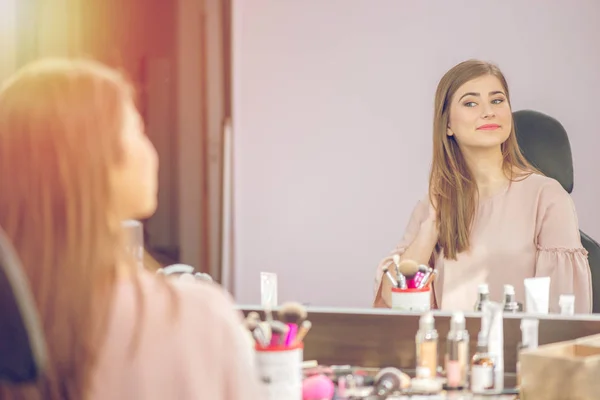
x: 389, y: 380
x: 425, y: 278
x: 402, y: 283
x: 251, y: 320
x: 262, y: 333
x: 410, y: 268
x: 396, y: 259
x: 428, y: 278
x: 279, y: 332
x: 390, y: 277
x: 302, y: 332
x: 292, y: 313
x: 268, y: 313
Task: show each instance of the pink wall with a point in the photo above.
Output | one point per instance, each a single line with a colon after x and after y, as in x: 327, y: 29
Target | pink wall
x: 332, y: 123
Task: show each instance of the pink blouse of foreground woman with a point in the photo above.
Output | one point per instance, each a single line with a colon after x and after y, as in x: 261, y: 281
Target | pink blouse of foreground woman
x: 192, y: 350
x: 528, y: 230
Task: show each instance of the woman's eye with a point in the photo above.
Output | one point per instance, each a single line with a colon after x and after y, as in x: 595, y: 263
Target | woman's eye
x: 497, y: 101
x: 470, y: 104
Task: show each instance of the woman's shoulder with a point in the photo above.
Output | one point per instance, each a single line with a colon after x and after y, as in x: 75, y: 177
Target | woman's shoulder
x: 187, y: 303
x: 540, y: 185
x: 208, y: 296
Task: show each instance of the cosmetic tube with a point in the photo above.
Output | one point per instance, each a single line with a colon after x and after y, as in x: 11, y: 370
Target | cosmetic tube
x: 493, y: 311
x: 537, y: 294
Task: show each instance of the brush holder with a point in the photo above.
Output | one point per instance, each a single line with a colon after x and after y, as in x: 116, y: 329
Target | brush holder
x: 418, y: 300
x: 280, y: 370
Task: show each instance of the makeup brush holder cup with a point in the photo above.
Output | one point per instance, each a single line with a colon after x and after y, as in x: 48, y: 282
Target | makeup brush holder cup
x: 280, y: 370
x: 411, y: 299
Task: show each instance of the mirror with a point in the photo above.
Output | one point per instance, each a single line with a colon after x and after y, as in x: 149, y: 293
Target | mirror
x: 332, y: 128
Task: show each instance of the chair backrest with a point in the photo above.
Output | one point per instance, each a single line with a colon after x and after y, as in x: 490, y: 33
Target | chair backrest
x: 545, y: 144
x: 22, y: 344
x: 593, y: 249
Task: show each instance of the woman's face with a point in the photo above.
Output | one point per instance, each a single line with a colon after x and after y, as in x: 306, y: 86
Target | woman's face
x: 480, y: 116
x: 135, y: 178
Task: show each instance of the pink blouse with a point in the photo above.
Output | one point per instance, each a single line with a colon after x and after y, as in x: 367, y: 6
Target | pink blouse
x: 528, y: 230
x: 191, y: 346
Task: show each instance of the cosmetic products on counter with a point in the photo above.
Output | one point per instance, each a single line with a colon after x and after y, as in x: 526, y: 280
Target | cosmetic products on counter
x: 483, y: 296
x: 427, y: 344
x: 317, y: 387
x: 511, y: 305
x: 529, y: 340
x: 409, y: 274
x: 566, y: 302
x: 279, y: 351
x: 482, y: 366
x: 487, y: 365
x: 537, y: 295
x: 389, y: 380
x: 411, y: 287
x: 457, y: 353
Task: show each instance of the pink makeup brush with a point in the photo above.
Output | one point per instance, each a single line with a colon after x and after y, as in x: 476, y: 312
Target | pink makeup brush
x: 292, y: 314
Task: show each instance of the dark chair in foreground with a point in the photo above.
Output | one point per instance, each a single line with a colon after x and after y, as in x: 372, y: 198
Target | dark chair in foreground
x: 22, y: 343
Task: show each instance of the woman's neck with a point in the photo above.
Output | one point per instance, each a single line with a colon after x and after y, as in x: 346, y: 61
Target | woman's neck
x: 487, y: 168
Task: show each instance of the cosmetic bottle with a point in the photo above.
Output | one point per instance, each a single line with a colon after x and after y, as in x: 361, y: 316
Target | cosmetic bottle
x: 483, y: 295
x: 510, y: 303
x: 427, y: 344
x: 457, y: 353
x: 529, y: 340
x: 482, y: 367
x: 566, y: 302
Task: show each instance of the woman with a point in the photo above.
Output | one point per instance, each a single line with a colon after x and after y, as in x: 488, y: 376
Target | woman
x: 74, y: 162
x: 490, y: 217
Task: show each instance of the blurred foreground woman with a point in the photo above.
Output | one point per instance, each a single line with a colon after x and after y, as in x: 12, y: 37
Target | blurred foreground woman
x: 74, y: 163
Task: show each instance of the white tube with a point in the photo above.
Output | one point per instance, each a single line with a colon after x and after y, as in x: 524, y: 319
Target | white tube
x: 493, y: 311
x: 537, y: 294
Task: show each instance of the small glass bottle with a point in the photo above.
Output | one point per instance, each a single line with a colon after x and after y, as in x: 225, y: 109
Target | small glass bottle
x: 482, y: 367
x: 427, y: 344
x: 511, y: 305
x: 457, y: 353
x: 483, y: 295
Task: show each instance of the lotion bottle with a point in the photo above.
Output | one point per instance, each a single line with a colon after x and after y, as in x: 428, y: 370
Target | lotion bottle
x: 427, y: 344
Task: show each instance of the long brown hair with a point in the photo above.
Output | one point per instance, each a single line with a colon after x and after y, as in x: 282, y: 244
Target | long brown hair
x: 452, y: 188
x: 60, y: 127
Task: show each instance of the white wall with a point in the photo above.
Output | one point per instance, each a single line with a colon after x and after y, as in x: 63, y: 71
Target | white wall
x: 332, y: 121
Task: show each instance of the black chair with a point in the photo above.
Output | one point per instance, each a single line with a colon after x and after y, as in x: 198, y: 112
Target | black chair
x: 22, y: 343
x: 545, y: 144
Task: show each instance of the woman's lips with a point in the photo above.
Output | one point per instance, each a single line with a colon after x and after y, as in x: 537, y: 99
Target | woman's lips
x: 488, y: 127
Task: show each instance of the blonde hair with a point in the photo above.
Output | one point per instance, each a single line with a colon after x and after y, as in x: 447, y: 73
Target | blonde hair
x: 451, y: 185
x: 60, y: 128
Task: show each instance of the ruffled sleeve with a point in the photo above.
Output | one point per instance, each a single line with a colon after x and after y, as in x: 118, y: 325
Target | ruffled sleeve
x: 560, y: 254
x: 419, y: 215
